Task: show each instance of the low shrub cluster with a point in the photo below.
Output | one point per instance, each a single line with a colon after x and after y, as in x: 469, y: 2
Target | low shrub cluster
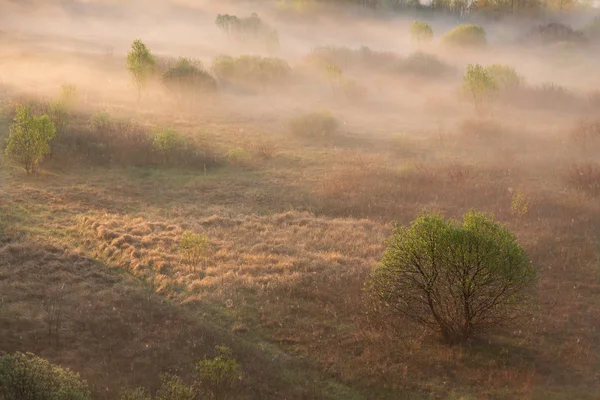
x: 187, y: 80
x: 250, y: 70
x: 314, y: 125
x: 465, y: 36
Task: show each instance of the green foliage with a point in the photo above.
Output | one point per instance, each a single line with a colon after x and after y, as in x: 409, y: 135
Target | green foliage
x: 28, y: 377
x: 458, y: 279
x: 478, y: 85
x: 314, y: 125
x: 239, y: 156
x: 58, y: 111
x: 193, y: 247
x: 29, y: 139
x: 423, y: 64
x: 252, y: 28
x: 173, y: 388
x: 519, y: 206
x: 141, y: 65
x: 468, y: 36
x: 167, y: 143
x: 421, y: 32
x: 101, y: 122
x: 186, y: 79
x: 505, y: 77
x: 250, y: 69
x: 136, y: 394
x: 217, y: 376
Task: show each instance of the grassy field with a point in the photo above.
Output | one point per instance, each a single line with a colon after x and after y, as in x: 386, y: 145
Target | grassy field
x: 90, y: 275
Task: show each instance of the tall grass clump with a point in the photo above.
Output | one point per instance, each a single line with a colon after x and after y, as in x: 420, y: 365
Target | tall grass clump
x: 320, y: 124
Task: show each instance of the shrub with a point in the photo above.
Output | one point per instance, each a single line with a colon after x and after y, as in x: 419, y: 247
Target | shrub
x: 136, y: 394
x: 455, y: 279
x: 141, y: 65
x: 217, y: 376
x: 478, y: 85
x: 519, y: 206
x: 248, y: 28
x: 468, y: 36
x: 193, y: 247
x: 173, y: 388
x: 314, y: 125
x: 24, y: 376
x: 250, y: 69
x: 29, y: 138
x: 265, y: 149
x: 585, y: 176
x: 555, y: 33
x: 101, y: 122
x: 421, y: 32
x: 187, y: 79
x: 505, y: 77
x: 168, y: 143
x: 423, y: 64
x: 58, y: 111
x: 239, y: 156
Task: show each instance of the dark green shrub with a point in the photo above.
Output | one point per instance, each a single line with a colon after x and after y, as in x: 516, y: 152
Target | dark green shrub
x: 217, y: 377
x: 29, y: 139
x: 28, y: 377
x: 187, y: 80
x: 468, y: 36
x: 458, y: 279
x: 314, y: 125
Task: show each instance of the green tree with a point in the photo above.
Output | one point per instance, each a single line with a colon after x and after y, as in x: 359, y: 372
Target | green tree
x: 421, y: 32
x: 458, y: 279
x: 141, y: 65
x: 468, y: 36
x: 505, y: 77
x: 29, y: 138
x: 24, y: 376
x: 478, y: 85
x: 216, y: 377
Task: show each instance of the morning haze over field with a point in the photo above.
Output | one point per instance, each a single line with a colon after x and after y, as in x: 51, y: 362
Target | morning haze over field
x: 299, y: 199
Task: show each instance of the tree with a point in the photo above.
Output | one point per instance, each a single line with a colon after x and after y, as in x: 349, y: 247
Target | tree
x: 141, y: 64
x: 468, y: 36
x: 421, y: 32
x: 24, y: 376
x: 479, y: 85
x: 186, y: 80
x: 505, y: 77
x: 458, y: 279
x: 217, y: 376
x: 29, y: 139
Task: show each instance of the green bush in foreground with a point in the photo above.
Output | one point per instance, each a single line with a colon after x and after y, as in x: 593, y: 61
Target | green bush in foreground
x: 314, y: 125
x: 24, y: 376
x: 472, y: 36
x: 458, y: 279
x: 167, y: 143
x: 29, y: 139
x: 216, y: 377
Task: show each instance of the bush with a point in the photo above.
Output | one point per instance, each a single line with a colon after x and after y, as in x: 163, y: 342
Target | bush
x: 248, y: 28
x: 173, y: 388
x: 314, y: 125
x: 505, y: 77
x: 421, y: 32
x: 187, y: 79
x: 168, y: 144
x: 28, y: 377
x: 136, y: 394
x: 239, y: 156
x: 468, y: 36
x: 101, y: 122
x: 478, y: 85
x: 217, y: 376
x: 250, y: 70
x: 455, y: 279
x: 555, y: 33
x: 193, y: 247
x: 29, y: 138
x: 141, y: 65
x: 585, y: 176
x: 423, y: 64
